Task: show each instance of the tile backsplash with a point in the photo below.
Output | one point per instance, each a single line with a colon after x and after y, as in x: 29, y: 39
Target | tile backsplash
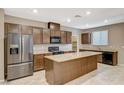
x: 44, y: 47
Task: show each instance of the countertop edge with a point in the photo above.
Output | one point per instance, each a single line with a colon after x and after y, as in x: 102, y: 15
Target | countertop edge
x: 47, y: 57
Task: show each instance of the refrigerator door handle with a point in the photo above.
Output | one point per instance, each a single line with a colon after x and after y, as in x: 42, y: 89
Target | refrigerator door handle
x: 22, y: 45
x: 20, y: 50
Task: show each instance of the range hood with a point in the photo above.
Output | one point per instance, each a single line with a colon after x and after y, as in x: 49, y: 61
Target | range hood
x: 54, y: 26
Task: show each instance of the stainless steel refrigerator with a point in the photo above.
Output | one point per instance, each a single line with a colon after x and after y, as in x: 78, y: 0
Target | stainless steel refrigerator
x: 19, y: 52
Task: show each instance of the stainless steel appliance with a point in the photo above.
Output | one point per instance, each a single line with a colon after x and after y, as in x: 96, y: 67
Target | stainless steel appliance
x: 55, y: 50
x: 55, y: 40
x: 19, y: 52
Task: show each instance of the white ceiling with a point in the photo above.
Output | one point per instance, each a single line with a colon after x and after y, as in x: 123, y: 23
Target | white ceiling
x: 60, y: 15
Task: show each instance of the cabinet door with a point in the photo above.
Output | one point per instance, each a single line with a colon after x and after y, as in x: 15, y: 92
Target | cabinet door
x: 53, y: 26
x: 63, y: 37
x: 55, y: 33
x: 69, y: 35
x: 26, y: 30
x: 37, y: 35
x: 38, y: 62
x: 91, y: 63
x: 85, y: 38
x: 52, y: 33
x: 46, y: 36
x: 11, y: 28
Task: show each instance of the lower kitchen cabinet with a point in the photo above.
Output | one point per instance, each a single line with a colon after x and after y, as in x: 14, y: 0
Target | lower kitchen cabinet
x: 38, y: 62
x: 107, y: 57
x: 91, y: 63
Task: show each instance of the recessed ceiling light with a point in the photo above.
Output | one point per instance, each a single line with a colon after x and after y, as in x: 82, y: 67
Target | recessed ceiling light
x: 35, y: 11
x: 88, y: 12
x: 68, y: 20
x: 106, y: 21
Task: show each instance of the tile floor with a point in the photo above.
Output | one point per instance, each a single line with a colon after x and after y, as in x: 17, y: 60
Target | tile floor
x: 104, y: 75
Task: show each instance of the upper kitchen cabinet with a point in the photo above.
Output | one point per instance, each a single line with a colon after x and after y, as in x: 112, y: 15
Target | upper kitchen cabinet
x: 69, y: 36
x: 55, y: 33
x: 37, y: 35
x: 86, y: 38
x: 63, y: 37
x: 54, y: 26
x: 11, y: 28
x: 26, y: 29
x: 46, y: 36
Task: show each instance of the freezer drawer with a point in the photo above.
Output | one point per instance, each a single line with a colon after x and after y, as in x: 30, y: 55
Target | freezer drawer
x: 19, y: 70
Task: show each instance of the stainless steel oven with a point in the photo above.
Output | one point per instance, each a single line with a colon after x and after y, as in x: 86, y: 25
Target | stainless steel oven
x: 55, y: 40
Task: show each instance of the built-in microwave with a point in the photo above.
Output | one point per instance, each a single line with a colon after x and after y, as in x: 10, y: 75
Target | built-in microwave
x: 55, y: 40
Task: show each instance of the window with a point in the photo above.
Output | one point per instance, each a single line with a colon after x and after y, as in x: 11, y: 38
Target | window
x: 100, y: 38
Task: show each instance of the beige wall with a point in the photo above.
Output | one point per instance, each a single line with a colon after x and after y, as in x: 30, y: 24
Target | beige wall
x: 1, y: 44
x: 116, y: 39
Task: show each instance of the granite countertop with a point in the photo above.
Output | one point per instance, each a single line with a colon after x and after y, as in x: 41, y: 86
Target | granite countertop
x: 46, y: 52
x: 71, y: 56
x: 41, y: 52
x: 101, y: 50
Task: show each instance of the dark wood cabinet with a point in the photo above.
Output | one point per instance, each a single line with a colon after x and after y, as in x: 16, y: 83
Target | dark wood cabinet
x: 55, y: 33
x: 56, y: 75
x: 37, y: 35
x: 91, y: 63
x: 46, y: 36
x: 40, y: 35
x: 85, y: 38
x: 107, y: 57
x: 63, y: 37
x: 69, y: 36
x: 38, y: 62
x: 115, y: 58
x: 26, y: 30
x: 12, y: 28
x: 54, y: 26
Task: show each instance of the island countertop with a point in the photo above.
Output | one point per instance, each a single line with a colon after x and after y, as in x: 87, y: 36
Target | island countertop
x: 71, y: 56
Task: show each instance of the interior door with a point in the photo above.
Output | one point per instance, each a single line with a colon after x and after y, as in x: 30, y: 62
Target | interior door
x: 13, y: 48
x: 27, y: 48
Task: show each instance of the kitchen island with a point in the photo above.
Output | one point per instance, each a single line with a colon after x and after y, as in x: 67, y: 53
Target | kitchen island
x: 60, y: 69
